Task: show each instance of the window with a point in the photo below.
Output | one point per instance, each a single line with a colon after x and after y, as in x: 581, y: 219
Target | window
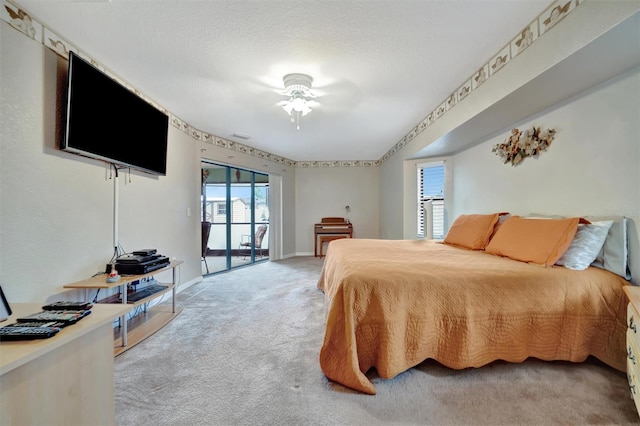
x: 431, y: 199
x: 221, y: 208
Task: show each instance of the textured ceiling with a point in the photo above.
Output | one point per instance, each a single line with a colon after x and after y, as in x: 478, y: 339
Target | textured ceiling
x: 379, y: 66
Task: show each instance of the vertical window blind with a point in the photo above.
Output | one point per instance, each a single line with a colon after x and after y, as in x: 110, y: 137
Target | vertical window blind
x: 431, y: 198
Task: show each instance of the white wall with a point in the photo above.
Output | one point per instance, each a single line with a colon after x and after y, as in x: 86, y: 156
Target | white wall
x: 392, y: 199
x: 585, y: 24
x: 56, y: 209
x: 592, y: 167
x: 324, y: 192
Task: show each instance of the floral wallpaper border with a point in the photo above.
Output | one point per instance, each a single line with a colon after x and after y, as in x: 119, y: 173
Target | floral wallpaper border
x: 19, y: 19
x: 553, y: 14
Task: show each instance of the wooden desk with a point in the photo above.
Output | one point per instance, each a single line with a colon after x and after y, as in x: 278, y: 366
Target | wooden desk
x: 327, y: 239
x: 64, y: 380
x: 330, y: 226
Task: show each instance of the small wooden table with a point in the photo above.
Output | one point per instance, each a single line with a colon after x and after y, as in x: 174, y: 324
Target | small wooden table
x: 144, y: 324
x: 327, y: 239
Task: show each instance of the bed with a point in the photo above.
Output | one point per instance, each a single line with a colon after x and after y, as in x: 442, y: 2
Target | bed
x: 391, y: 304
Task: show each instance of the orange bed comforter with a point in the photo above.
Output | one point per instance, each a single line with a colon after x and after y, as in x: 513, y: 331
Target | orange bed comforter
x: 391, y: 304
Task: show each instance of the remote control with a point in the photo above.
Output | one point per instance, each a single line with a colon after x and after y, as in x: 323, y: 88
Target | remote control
x: 67, y: 306
x: 56, y: 324
x: 26, y: 333
x: 69, y: 317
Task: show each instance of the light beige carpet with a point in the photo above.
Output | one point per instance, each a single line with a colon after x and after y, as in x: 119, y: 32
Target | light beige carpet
x: 244, y: 351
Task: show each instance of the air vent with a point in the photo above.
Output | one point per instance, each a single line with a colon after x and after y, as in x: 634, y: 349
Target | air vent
x: 241, y: 136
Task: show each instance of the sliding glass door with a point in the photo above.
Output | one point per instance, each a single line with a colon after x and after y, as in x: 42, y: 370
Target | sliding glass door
x: 235, y: 214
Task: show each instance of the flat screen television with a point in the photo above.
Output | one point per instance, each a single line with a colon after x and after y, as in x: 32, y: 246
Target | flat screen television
x: 107, y: 121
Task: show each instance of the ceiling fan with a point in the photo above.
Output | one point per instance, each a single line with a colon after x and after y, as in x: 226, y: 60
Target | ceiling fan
x: 305, y: 94
x: 297, y: 87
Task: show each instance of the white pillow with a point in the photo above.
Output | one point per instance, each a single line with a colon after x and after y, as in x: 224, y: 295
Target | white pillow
x: 615, y: 253
x: 586, y: 245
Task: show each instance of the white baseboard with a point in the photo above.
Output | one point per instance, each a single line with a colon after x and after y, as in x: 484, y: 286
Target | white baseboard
x: 290, y: 255
x: 188, y: 284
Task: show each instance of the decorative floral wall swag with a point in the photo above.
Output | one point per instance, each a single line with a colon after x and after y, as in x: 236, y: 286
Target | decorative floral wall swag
x: 520, y: 145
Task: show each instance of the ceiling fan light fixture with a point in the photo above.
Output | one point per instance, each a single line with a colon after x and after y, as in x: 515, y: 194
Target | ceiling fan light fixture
x: 298, y: 88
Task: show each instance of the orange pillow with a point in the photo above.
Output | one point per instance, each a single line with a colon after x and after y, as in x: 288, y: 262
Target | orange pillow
x: 471, y: 231
x: 541, y: 242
